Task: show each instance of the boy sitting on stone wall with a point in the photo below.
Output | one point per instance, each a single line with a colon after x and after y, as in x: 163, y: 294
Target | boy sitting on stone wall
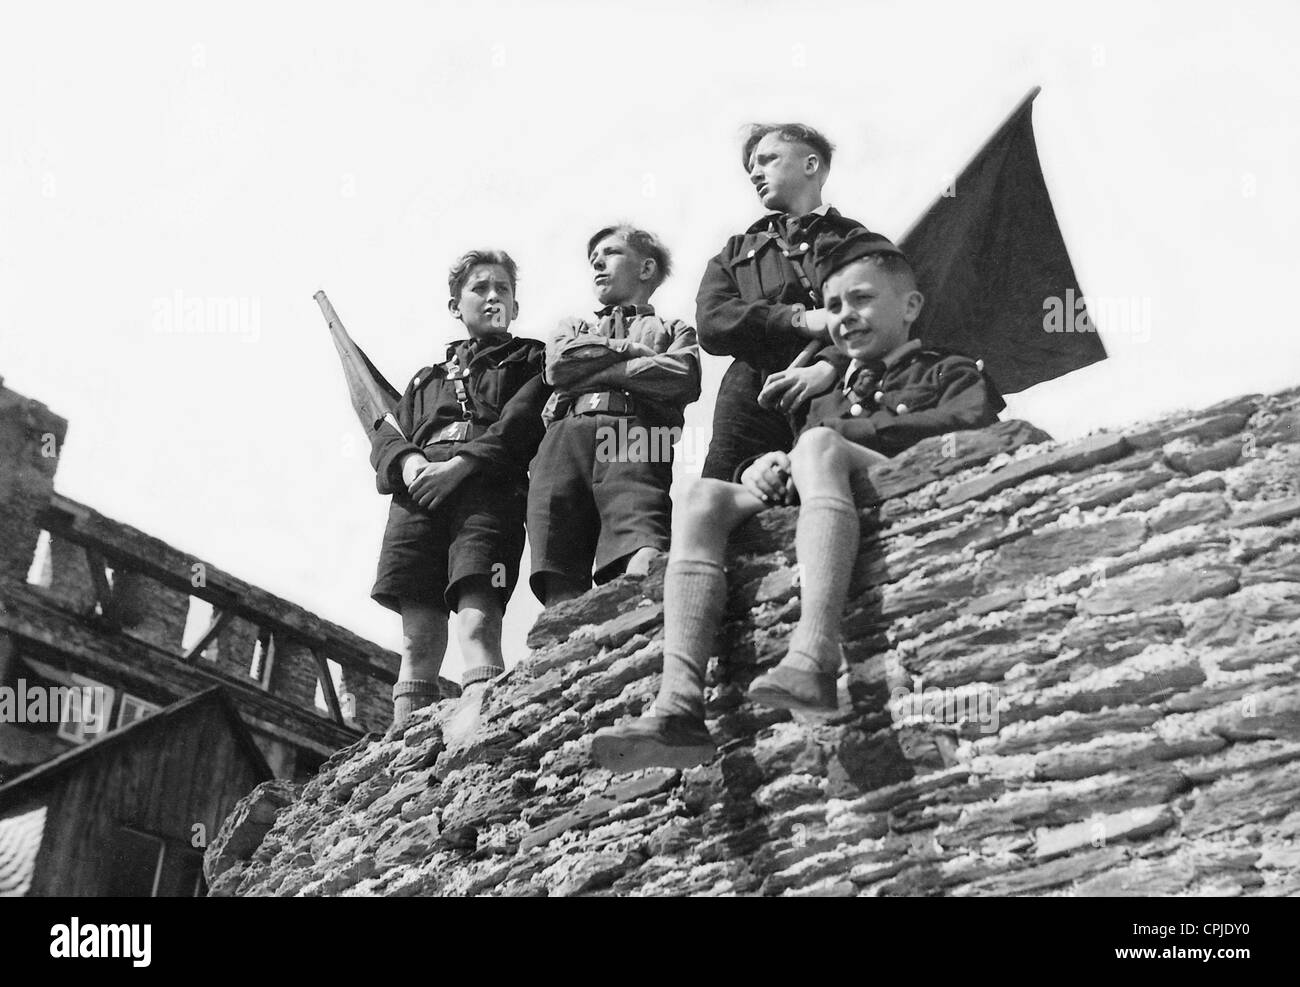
x: 894, y: 394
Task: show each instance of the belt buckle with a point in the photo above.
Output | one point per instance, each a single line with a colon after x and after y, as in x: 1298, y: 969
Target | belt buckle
x: 589, y: 404
x: 454, y: 432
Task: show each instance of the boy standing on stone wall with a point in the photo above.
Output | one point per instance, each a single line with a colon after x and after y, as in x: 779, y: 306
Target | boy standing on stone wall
x: 598, y: 496
x: 455, y: 529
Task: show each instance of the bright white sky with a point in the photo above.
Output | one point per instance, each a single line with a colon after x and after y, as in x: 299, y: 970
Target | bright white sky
x: 151, y: 156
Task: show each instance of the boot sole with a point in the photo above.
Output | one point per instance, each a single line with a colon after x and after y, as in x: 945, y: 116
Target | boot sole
x: 780, y: 699
x: 633, y: 754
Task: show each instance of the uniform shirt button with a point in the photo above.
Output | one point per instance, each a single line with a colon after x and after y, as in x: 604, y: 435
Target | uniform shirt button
x: 416, y: 382
x: 880, y: 396
x: 855, y: 410
x: 902, y: 409
x: 803, y: 246
x: 979, y: 365
x: 751, y: 253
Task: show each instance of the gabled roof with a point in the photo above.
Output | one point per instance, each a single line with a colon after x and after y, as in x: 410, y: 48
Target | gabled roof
x: 23, y: 787
x: 20, y: 842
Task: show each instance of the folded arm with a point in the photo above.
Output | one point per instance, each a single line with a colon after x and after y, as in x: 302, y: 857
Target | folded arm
x: 513, y: 438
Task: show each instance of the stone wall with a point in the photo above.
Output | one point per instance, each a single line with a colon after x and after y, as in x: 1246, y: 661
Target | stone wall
x: 1071, y: 670
x: 31, y: 439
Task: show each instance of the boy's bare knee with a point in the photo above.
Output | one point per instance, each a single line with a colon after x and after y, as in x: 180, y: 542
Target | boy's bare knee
x: 481, y: 628
x: 818, y: 439
x: 422, y: 621
x: 817, y: 448
x: 702, y: 499
x: 478, y: 601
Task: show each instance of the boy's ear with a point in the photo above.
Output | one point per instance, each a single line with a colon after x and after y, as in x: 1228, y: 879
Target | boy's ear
x: 812, y: 165
x: 912, y: 307
x: 453, y: 306
x: 648, y: 269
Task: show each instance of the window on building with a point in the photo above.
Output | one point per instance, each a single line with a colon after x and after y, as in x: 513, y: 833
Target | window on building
x: 336, y: 676
x: 197, y: 622
x: 150, y: 866
x: 41, y: 572
x: 263, y: 658
x: 85, y: 710
x: 133, y: 708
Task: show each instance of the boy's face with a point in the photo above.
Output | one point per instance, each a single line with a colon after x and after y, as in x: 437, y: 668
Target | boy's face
x: 869, y: 312
x: 618, y: 273
x: 487, y: 302
x: 780, y: 171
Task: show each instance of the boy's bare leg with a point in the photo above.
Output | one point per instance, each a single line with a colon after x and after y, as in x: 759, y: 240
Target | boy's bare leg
x: 479, y: 612
x: 424, y: 644
x: 478, y: 631
x: 826, y: 467
x: 673, y: 734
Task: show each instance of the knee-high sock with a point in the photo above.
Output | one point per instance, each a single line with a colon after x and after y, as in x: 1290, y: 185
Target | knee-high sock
x: 695, y: 593
x: 826, y: 541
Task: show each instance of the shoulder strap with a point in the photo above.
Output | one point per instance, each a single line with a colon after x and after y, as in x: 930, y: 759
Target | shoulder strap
x: 796, y: 259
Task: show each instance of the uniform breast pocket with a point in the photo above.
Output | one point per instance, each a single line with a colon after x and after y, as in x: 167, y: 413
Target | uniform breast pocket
x: 489, y: 391
x: 745, y: 271
x: 514, y: 375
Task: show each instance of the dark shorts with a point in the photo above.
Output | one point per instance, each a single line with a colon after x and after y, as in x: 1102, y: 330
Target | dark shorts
x: 741, y: 428
x: 588, y: 510
x: 477, y: 531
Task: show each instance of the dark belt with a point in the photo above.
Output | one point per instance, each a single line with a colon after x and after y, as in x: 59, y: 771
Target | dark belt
x: 603, y: 403
x: 456, y: 432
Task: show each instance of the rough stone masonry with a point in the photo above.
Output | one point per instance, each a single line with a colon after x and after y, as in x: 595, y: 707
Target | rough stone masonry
x: 1131, y: 600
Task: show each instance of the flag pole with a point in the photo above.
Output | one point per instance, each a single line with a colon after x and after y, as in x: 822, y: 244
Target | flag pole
x: 368, y: 397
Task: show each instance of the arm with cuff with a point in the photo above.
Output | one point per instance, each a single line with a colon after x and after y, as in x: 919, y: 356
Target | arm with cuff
x: 729, y: 325
x: 388, y: 449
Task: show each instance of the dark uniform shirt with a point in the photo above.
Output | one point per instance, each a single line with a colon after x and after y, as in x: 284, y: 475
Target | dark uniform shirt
x: 748, y: 306
x: 911, y: 395
x: 746, y: 303
x: 500, y: 381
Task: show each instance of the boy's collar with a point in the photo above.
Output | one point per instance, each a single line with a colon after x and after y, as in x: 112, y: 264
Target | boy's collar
x: 479, y: 342
x: 898, y: 354
x: 891, y: 360
x: 824, y: 210
x: 629, y: 311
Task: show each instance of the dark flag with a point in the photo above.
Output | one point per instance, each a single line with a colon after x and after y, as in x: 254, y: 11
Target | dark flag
x: 997, y: 279
x: 373, y: 398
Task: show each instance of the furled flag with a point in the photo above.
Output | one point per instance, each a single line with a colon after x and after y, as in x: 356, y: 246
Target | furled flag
x: 997, y: 279
x: 373, y: 398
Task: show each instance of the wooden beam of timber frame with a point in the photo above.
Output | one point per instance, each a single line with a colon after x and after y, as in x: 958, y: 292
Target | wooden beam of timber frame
x: 103, y: 590
x: 327, y: 686
x: 154, y: 558
x: 220, y: 618
x: 39, y: 627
